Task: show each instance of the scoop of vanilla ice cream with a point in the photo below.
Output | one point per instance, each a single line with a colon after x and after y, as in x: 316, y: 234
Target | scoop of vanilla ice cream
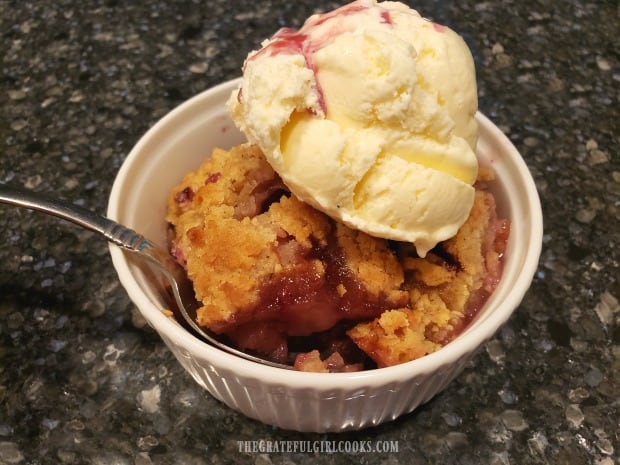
x: 368, y: 114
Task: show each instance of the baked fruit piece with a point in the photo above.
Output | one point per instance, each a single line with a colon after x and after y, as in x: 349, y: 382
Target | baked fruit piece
x: 446, y: 288
x: 267, y: 267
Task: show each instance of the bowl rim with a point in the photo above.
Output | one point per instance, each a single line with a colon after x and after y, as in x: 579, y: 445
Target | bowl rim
x: 447, y: 355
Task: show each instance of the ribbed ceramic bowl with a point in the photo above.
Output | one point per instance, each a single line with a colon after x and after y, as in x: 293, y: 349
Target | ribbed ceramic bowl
x: 293, y: 400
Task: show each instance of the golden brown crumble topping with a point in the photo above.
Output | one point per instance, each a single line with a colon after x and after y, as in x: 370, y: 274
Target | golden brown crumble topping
x: 269, y: 269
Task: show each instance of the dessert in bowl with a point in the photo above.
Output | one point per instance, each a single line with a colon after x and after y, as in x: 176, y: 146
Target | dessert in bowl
x: 355, y: 224
x: 360, y: 210
x: 303, y: 401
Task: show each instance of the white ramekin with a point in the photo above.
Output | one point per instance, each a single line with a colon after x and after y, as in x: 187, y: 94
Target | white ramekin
x: 294, y: 400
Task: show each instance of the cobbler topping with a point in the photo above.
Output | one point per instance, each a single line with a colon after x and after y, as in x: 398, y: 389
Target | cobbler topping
x: 278, y: 278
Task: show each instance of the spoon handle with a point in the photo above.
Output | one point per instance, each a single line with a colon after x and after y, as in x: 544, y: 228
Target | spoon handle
x: 114, y: 232
x: 118, y: 234
x: 180, y: 287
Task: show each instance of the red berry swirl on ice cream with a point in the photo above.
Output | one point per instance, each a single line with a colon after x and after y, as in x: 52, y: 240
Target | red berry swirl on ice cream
x: 308, y: 39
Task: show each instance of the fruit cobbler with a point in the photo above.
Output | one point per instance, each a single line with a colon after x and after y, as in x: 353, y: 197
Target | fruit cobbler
x: 277, y: 278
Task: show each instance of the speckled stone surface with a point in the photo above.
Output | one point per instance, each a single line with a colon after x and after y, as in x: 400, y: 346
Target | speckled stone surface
x: 84, y: 381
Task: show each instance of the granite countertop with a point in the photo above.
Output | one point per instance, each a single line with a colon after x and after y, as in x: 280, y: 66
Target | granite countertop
x: 83, y: 380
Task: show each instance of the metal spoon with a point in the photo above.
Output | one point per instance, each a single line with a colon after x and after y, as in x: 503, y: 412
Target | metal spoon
x: 128, y: 239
